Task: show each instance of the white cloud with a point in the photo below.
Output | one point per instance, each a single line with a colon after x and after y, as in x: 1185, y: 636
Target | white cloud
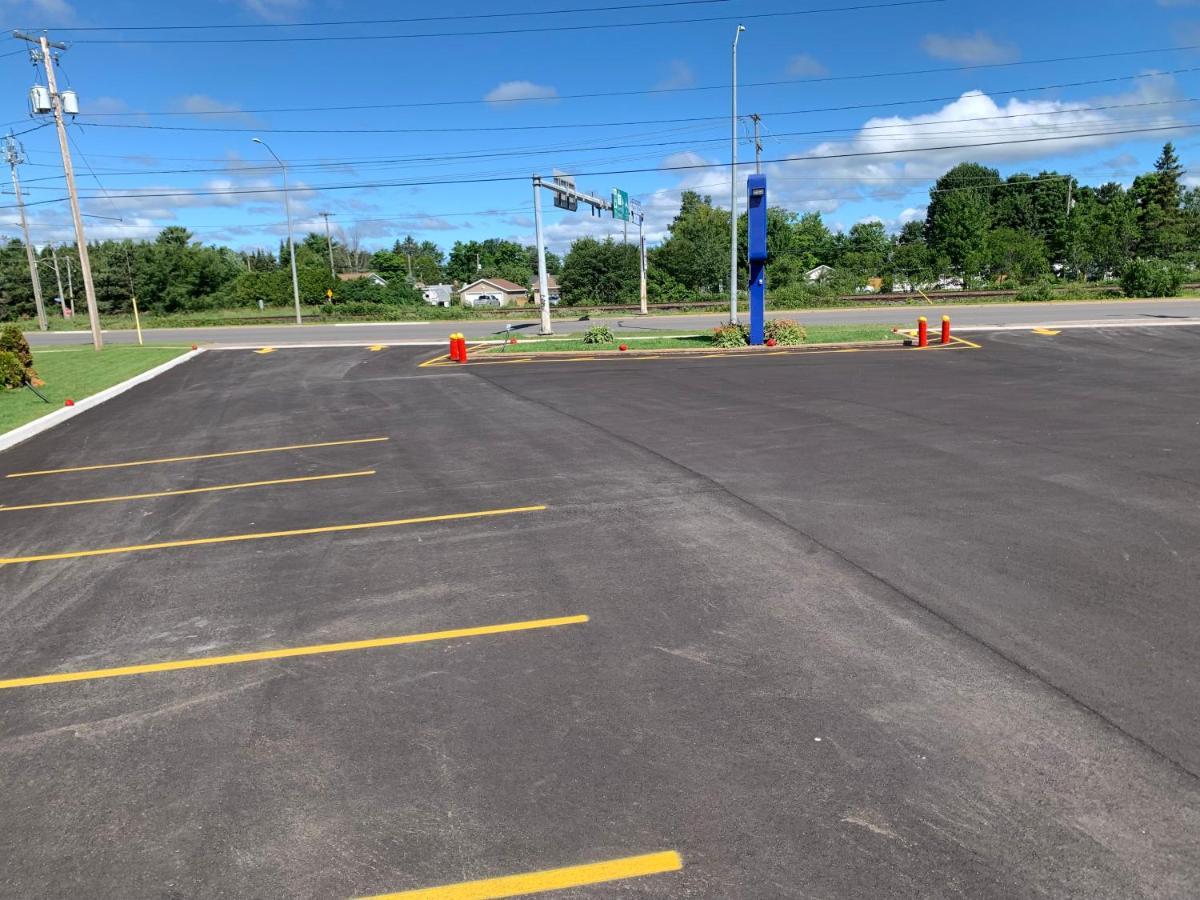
x: 974, y: 48
x: 105, y: 106
x: 272, y: 10
x: 805, y: 66
x: 838, y: 172
x: 211, y: 110
x: 40, y: 12
x: 680, y: 75
x: 911, y: 214
x: 519, y: 91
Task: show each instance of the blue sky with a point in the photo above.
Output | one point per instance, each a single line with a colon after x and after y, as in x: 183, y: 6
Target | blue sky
x: 492, y: 96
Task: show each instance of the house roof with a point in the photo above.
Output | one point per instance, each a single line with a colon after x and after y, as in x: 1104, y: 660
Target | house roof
x: 551, y: 282
x: 355, y: 276
x: 500, y: 284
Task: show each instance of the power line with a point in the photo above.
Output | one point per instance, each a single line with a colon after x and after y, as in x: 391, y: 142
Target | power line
x: 576, y: 125
x: 412, y: 21
x: 861, y: 76
x: 591, y: 26
x: 678, y: 168
x: 404, y: 161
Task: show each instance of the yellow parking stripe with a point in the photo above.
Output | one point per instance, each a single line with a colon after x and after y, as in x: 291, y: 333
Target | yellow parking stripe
x: 287, y: 652
x: 262, y: 535
x: 179, y: 493
x: 172, y: 459
x: 549, y: 880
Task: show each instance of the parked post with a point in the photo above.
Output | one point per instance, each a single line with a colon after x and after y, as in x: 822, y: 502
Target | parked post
x: 454, y: 347
x: 945, y: 329
x: 462, y: 347
x: 922, y: 332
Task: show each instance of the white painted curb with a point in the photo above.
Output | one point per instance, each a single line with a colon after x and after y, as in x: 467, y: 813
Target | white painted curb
x: 45, y: 423
x: 1064, y: 326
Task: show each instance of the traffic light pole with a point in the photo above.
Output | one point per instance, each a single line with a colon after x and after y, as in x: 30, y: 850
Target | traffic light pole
x: 597, y: 203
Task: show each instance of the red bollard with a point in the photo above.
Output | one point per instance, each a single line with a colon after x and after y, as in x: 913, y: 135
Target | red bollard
x: 922, y: 332
x: 945, y: 329
x: 454, y: 347
x: 462, y: 348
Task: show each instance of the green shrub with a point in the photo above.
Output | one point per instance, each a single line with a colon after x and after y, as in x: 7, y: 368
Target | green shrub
x: 599, y: 334
x: 802, y: 295
x: 785, y: 332
x: 12, y: 340
x: 12, y: 372
x: 1037, y: 292
x: 731, y: 336
x: 1151, y: 278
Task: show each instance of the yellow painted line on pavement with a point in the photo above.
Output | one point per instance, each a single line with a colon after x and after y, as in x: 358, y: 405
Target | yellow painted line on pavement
x: 265, y: 350
x: 263, y: 535
x: 179, y: 493
x: 548, y: 880
x: 173, y: 459
x: 375, y: 348
x: 288, y: 652
x: 1046, y: 331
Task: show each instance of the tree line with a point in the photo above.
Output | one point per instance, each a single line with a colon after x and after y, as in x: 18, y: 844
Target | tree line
x: 979, y: 229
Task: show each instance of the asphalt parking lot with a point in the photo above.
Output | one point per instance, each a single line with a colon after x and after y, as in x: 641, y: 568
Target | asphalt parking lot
x: 902, y: 624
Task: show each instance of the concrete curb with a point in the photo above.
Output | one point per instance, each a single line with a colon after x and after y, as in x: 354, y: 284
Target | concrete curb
x: 24, y: 432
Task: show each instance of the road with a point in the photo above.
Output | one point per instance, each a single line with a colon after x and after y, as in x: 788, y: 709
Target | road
x: 1032, y: 314
x: 891, y: 623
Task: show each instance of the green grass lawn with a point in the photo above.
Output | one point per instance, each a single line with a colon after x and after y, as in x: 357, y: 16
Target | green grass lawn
x: 817, y: 334
x: 77, y: 373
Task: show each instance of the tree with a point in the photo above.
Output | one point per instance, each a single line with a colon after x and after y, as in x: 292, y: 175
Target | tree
x: 1159, y: 200
x: 960, y: 215
x: 493, y: 258
x: 1015, y: 256
x: 696, y: 253
x: 600, y: 272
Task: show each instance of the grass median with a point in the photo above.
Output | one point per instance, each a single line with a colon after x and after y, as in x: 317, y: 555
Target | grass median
x: 816, y: 335
x: 77, y: 373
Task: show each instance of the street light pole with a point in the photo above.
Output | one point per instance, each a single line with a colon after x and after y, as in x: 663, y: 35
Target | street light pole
x: 287, y: 206
x: 733, y: 218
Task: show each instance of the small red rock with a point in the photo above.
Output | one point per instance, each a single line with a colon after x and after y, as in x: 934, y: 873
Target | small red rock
x: 68, y: 402
x: 623, y: 347
x: 770, y: 342
x: 193, y: 346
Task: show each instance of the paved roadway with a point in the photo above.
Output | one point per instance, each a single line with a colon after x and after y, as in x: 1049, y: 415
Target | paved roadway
x: 1033, y: 314
x: 883, y: 624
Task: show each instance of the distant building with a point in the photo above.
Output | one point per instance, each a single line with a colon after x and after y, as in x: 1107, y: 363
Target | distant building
x: 493, y: 292
x: 437, y: 294
x: 552, y: 285
x: 377, y: 280
x: 818, y: 273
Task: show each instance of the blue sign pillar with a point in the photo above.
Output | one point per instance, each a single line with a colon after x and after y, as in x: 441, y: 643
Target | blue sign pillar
x: 756, y: 231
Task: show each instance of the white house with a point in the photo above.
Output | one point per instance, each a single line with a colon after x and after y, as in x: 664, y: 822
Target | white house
x: 438, y: 294
x: 493, y: 292
x: 821, y: 271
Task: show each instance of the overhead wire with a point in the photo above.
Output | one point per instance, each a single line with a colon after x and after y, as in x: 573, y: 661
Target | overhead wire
x: 526, y: 30
x: 408, y: 21
x: 672, y: 168
x: 628, y: 123
x: 823, y: 79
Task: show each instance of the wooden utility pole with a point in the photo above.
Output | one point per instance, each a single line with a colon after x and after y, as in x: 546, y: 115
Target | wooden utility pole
x: 44, y: 56
x: 329, y: 242
x: 758, y: 147
x: 14, y: 156
x: 58, y: 277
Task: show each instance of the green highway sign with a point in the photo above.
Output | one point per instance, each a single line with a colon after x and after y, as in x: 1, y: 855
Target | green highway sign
x: 620, y: 204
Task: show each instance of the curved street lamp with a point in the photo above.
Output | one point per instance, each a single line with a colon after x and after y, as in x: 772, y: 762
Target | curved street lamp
x: 287, y: 206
